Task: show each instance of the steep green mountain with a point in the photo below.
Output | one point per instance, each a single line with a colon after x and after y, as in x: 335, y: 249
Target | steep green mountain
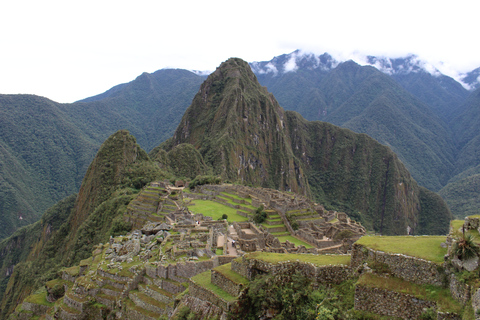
x: 67, y: 232
x: 239, y: 129
x: 366, y: 100
x: 246, y: 137
x: 43, y: 157
x: 462, y: 191
x: 46, y: 147
x: 150, y: 107
x: 383, y: 110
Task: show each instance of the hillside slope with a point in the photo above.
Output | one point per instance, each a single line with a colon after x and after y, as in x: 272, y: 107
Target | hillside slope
x: 43, y: 156
x: 46, y: 147
x: 67, y: 232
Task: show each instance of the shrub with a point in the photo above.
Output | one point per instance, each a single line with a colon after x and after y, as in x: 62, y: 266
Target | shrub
x: 260, y: 215
x: 465, y: 247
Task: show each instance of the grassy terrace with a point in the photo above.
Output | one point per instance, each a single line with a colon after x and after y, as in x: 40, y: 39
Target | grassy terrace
x: 424, y: 247
x: 319, y: 260
x: 247, y: 200
x: 294, y: 240
x: 226, y: 270
x: 204, y: 280
x: 39, y: 298
x: 215, y: 210
x: 426, y: 292
x: 246, y: 205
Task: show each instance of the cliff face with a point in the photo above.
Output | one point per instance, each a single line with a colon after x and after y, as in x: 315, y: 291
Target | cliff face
x: 246, y: 137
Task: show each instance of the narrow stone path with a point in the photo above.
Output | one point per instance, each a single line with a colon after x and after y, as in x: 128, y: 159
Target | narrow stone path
x: 230, y: 249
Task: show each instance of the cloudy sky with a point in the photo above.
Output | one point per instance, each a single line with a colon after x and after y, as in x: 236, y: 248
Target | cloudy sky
x: 70, y: 50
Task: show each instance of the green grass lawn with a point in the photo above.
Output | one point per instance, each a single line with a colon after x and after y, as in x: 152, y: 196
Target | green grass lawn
x: 294, y: 240
x: 39, y: 298
x: 204, y: 280
x: 426, y: 292
x: 424, y: 247
x: 319, y: 260
x: 215, y: 210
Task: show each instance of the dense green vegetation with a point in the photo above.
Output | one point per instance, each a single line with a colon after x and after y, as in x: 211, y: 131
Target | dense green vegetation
x: 68, y: 232
x: 46, y: 147
x: 293, y: 297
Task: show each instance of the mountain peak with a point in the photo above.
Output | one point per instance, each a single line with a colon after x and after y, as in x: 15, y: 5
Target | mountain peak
x: 239, y: 129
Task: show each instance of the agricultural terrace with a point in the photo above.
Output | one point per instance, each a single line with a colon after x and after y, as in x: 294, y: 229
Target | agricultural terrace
x: 423, y: 247
x: 318, y: 260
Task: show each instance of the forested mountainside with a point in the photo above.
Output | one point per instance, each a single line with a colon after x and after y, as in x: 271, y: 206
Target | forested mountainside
x: 44, y: 158
x: 427, y: 118
x: 46, y: 147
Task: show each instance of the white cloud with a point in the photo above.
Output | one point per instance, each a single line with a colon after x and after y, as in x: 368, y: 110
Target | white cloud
x: 69, y: 50
x: 291, y: 64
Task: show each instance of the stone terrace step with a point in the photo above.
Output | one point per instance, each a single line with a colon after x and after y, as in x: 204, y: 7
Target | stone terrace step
x: 111, y: 290
x: 67, y: 312
x: 228, y: 280
x: 148, y: 303
x: 156, y: 293
x: 75, y: 301
x: 169, y: 285
x: 106, y: 299
x: 139, y: 313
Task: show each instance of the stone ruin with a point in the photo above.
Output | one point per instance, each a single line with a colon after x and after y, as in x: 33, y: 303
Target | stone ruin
x: 327, y: 231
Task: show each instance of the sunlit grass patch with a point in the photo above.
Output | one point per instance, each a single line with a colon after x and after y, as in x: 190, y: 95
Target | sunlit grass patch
x: 216, y: 210
x: 423, y: 247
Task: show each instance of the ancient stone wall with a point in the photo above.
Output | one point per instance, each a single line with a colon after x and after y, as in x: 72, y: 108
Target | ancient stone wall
x: 476, y: 300
x: 206, y: 295
x: 390, y: 303
x: 204, y: 309
x: 249, y: 268
x: 460, y: 291
x: 35, y: 308
x: 226, y: 284
x: 410, y: 269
